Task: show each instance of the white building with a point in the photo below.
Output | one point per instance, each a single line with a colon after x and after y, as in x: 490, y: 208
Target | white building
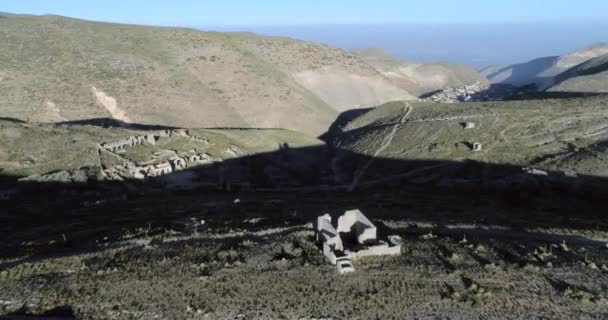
x: 355, y: 237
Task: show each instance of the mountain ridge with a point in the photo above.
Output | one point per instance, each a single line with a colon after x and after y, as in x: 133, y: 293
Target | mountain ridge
x: 59, y: 68
x: 542, y: 71
x: 421, y: 78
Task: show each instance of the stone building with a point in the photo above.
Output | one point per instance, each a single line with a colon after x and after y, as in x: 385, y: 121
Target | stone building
x: 160, y: 169
x: 355, y: 237
x: 179, y: 164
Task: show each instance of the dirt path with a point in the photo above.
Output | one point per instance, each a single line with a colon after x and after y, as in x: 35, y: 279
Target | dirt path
x: 388, y: 140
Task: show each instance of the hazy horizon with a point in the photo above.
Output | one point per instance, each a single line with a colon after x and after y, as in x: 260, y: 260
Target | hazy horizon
x: 478, y: 45
x: 474, y: 32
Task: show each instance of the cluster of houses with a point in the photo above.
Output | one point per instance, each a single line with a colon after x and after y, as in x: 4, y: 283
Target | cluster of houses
x: 159, y: 169
x: 174, y: 164
x: 129, y: 142
x: 148, y: 138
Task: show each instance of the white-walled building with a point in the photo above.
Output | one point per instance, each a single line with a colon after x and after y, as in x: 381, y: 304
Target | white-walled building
x: 355, y: 237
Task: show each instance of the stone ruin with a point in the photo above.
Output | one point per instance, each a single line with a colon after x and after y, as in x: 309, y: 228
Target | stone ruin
x: 158, y: 170
x: 355, y: 237
x: 129, y: 142
x: 149, y: 138
x: 535, y: 172
x: 136, y: 171
x: 476, y: 146
x: 164, y: 168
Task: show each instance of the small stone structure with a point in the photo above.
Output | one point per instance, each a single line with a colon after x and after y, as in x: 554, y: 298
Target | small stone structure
x: 355, y: 237
x: 179, y: 164
x: 355, y: 224
x: 160, y: 169
x: 476, y: 146
x: 469, y: 125
x: 535, y: 172
x: 344, y: 265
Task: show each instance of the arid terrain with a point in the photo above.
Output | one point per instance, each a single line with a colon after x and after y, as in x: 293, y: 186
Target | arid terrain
x: 232, y: 238
x: 177, y: 77
x: 421, y: 78
x: 542, y: 71
x: 589, y: 76
x: 169, y: 173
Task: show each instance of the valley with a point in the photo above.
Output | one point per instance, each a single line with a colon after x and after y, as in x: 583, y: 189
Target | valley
x: 170, y: 173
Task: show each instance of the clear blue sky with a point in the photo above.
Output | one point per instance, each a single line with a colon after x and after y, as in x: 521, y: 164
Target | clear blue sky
x: 273, y: 12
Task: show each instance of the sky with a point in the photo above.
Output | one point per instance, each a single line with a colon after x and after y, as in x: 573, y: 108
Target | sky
x: 278, y: 12
x: 474, y: 32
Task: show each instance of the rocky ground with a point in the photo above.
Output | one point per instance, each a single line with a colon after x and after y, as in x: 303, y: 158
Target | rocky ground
x: 252, y: 255
x: 487, y: 234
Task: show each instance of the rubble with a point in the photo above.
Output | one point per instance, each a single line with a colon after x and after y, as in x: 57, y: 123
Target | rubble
x: 133, y: 170
x: 535, y: 172
x: 355, y: 237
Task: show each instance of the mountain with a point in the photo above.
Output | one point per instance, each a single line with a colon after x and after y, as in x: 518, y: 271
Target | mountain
x: 542, y: 71
x: 421, y: 78
x: 589, y: 76
x: 519, y: 133
x: 58, y: 69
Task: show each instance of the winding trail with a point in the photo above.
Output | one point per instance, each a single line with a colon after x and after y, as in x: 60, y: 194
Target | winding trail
x: 388, y: 140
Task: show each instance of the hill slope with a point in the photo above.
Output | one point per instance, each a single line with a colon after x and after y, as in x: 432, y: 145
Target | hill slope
x: 421, y: 78
x: 542, y: 71
x: 73, y: 152
x: 589, y: 76
x: 521, y: 133
x: 56, y: 69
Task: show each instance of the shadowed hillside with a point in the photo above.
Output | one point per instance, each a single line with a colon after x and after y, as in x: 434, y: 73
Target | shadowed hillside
x: 590, y: 76
x: 188, y: 237
x: 527, y: 133
x: 542, y: 71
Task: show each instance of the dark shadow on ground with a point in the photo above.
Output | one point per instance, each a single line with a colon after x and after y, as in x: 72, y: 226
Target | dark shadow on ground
x: 58, y: 313
x: 15, y: 120
x: 114, y: 123
x: 520, y: 73
x: 342, y: 119
x: 39, y: 219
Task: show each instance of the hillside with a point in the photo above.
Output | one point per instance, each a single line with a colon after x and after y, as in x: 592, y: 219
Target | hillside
x: 589, y: 76
x: 521, y: 133
x: 57, y: 69
x: 542, y: 71
x: 421, y: 78
x: 78, y: 153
